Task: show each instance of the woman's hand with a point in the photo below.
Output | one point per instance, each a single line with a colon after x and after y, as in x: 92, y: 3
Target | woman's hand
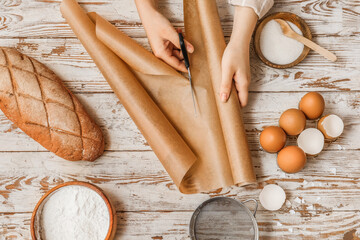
x: 235, y: 62
x: 235, y: 66
x: 162, y: 36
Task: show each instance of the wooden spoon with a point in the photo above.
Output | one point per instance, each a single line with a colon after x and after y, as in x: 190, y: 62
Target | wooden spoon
x: 287, y: 31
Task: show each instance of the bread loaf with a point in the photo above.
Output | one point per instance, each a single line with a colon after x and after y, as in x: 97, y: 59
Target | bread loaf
x: 36, y: 100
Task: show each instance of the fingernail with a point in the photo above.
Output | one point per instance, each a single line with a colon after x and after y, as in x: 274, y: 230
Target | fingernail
x: 189, y: 48
x: 223, y: 97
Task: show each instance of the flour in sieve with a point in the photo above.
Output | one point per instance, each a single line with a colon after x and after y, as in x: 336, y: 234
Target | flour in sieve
x: 74, y: 212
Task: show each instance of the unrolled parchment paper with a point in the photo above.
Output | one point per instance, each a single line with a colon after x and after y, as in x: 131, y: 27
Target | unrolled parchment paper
x: 200, y: 153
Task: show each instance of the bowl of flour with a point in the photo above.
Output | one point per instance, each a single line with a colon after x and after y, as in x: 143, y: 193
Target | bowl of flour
x: 74, y: 210
x: 274, y: 48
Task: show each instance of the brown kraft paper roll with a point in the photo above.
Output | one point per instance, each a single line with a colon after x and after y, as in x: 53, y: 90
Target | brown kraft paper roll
x: 145, y: 80
x: 230, y: 113
x: 167, y: 144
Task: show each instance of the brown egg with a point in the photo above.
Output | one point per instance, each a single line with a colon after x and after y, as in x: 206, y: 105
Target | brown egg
x: 293, y: 121
x: 291, y: 159
x: 272, y: 139
x: 332, y: 126
x: 312, y: 104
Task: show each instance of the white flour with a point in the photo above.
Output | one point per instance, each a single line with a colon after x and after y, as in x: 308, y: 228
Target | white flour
x: 74, y: 212
x: 276, y: 47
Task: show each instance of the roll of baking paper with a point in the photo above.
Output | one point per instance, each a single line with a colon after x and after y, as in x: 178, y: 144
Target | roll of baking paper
x: 158, y: 99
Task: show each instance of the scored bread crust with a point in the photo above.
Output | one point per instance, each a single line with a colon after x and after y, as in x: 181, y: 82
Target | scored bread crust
x: 35, y: 99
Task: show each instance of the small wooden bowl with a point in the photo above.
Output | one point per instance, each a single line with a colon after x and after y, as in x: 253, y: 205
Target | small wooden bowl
x: 112, y: 213
x: 299, y: 22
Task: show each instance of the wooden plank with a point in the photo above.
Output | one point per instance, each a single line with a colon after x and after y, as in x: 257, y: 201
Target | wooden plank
x: 15, y: 226
x: 136, y: 181
x: 263, y: 110
x: 43, y: 18
x: 70, y: 61
x: 174, y: 225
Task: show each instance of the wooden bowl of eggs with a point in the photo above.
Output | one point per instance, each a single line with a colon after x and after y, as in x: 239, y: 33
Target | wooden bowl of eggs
x: 274, y: 48
x: 74, y: 210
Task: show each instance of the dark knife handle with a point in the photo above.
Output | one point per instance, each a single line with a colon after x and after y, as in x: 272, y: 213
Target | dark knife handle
x: 183, y: 50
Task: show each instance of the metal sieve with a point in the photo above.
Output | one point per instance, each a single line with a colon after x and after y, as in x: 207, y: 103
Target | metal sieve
x: 223, y: 218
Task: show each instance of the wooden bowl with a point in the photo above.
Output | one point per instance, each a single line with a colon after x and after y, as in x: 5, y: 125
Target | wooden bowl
x: 299, y: 22
x: 112, y: 213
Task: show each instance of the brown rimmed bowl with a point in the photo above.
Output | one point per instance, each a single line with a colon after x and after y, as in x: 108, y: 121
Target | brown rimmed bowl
x: 112, y: 213
x: 299, y: 22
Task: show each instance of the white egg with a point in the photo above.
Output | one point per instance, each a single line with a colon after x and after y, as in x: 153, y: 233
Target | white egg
x: 272, y: 197
x: 311, y: 140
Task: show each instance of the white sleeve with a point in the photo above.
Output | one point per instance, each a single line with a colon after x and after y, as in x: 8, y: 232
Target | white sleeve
x: 261, y: 7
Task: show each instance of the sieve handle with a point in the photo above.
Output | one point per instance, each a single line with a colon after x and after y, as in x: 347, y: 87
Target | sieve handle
x: 256, y: 204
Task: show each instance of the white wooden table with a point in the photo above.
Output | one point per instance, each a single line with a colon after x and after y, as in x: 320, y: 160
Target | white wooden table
x: 323, y: 199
